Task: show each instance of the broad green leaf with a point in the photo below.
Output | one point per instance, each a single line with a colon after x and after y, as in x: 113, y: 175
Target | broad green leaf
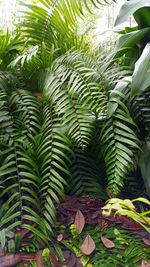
x: 141, y: 74
x: 144, y: 164
x: 128, y: 204
x: 131, y: 39
x: 142, y: 199
x: 141, y: 16
x: 128, y: 8
x: 125, y: 43
x: 2, y: 238
x: 11, y: 246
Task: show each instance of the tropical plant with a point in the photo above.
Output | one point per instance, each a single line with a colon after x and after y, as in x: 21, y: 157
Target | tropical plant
x: 126, y: 207
x: 113, y: 246
x: 133, y: 50
x: 60, y: 117
x: 9, y: 47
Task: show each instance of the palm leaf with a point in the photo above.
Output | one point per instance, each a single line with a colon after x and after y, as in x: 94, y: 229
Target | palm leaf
x: 140, y: 109
x: 52, y: 160
x: 86, y: 174
x: 55, y: 22
x: 25, y: 110
x: 120, y: 140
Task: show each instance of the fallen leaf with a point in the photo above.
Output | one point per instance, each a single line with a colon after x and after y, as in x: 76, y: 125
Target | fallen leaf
x: 38, y: 95
x: 71, y: 260
x: 39, y: 259
x: 107, y: 243
x: 146, y: 241
x: 144, y: 264
x: 10, y: 260
x: 1, y: 251
x: 78, y: 263
x: 102, y: 223
x: 89, y: 219
x: 79, y: 221
x: 88, y: 245
x: 59, y: 237
x: 27, y: 257
x: 53, y: 259
x: 109, y: 193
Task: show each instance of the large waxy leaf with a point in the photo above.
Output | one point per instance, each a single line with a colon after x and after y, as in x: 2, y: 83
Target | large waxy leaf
x: 132, y: 38
x: 128, y: 8
x: 125, y: 43
x: 144, y: 200
x: 141, y: 74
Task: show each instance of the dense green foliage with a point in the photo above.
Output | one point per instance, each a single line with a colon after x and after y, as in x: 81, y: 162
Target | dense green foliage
x: 128, y: 249
x: 67, y: 124
x: 134, y: 50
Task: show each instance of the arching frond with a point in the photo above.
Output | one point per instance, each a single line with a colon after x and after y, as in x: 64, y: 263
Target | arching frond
x: 76, y: 93
x: 25, y: 109
x: 9, y: 47
x: 55, y: 22
x: 52, y: 149
x: 84, y: 80
x: 33, y: 166
x: 120, y: 140
x: 86, y: 174
x: 25, y: 57
x: 5, y: 116
x: 74, y: 118
x: 20, y: 189
x: 140, y: 108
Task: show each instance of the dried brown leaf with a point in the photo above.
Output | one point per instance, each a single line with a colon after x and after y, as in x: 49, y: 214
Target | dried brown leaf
x: 102, y: 223
x: 39, y: 259
x: 107, y: 243
x: 78, y: 263
x: 146, y: 241
x: 1, y: 251
x: 145, y: 264
x: 53, y: 259
x: 59, y: 237
x: 9, y: 260
x: 88, y: 245
x: 79, y: 221
x: 71, y: 260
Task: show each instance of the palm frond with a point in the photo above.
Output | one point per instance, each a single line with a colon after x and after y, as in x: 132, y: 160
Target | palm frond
x: 33, y: 167
x: 140, y: 108
x: 75, y: 119
x: 20, y: 189
x: 9, y: 47
x: 6, y: 119
x: 134, y: 186
x: 86, y: 174
x: 75, y: 92
x: 25, y: 110
x: 25, y: 57
x: 5, y: 116
x: 120, y: 141
x: 55, y: 22
x: 52, y: 149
